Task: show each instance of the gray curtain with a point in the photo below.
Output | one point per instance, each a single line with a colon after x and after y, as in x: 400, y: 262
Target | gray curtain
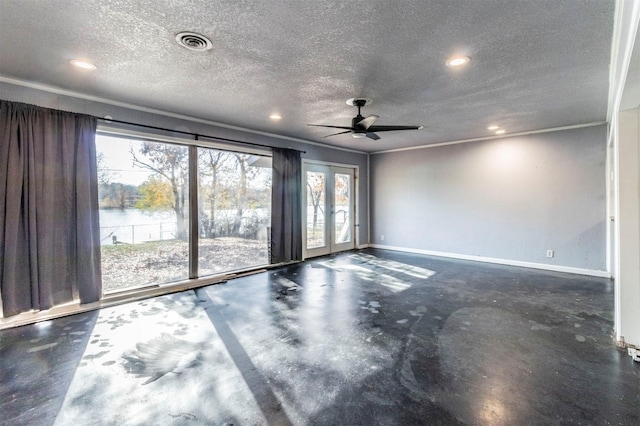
x: 49, y: 229
x: 286, y: 216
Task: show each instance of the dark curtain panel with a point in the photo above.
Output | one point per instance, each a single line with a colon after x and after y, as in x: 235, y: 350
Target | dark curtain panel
x: 286, y: 216
x: 49, y: 229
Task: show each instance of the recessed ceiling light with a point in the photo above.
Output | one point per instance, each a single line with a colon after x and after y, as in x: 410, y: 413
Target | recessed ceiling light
x: 275, y: 117
x: 500, y: 131
x: 193, y: 41
x: 493, y: 127
x: 83, y: 64
x: 458, y: 61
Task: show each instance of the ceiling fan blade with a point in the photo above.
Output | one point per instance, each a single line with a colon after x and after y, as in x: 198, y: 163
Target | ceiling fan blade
x: 366, y: 122
x: 389, y: 128
x: 331, y: 127
x: 373, y: 136
x: 339, y: 133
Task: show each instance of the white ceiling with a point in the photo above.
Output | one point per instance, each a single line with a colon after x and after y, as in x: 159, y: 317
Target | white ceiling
x: 535, y: 64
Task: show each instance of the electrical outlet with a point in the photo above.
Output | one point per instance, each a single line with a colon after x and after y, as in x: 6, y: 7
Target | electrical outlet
x: 550, y: 253
x: 381, y: 237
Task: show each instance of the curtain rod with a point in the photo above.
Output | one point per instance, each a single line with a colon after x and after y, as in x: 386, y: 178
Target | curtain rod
x: 196, y: 135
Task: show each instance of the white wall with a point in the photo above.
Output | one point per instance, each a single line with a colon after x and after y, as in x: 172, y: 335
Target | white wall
x: 624, y: 160
x: 627, y: 227
x: 507, y: 200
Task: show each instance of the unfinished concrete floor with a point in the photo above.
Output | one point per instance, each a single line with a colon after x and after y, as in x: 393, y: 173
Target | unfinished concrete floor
x: 361, y: 338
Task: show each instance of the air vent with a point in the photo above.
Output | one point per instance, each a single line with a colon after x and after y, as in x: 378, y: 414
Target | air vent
x: 193, y: 41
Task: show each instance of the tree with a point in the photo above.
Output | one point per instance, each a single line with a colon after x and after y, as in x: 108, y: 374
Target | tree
x: 117, y: 195
x: 123, y: 195
x: 241, y: 200
x: 169, y: 162
x: 315, y: 194
x: 210, y: 162
x: 229, y: 185
x: 342, y: 208
x: 105, y: 174
x: 155, y: 194
x: 248, y: 173
x: 113, y: 194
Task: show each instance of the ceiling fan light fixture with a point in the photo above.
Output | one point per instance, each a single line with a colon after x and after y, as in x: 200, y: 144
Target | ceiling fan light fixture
x: 194, y: 41
x: 457, y: 61
x: 355, y: 101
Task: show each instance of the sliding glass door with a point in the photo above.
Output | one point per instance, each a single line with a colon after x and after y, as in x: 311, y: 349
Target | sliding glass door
x: 234, y: 210
x: 148, y: 212
x: 329, y: 207
x: 142, y: 193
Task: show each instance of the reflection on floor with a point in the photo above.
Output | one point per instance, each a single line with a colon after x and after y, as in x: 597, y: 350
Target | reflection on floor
x: 361, y: 338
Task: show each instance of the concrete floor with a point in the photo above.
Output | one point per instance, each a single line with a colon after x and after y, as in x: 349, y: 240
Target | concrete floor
x: 361, y: 338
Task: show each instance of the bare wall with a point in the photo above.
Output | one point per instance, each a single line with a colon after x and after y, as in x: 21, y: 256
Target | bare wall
x: 510, y: 198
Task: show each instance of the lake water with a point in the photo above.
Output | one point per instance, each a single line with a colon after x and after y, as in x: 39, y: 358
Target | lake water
x: 136, y: 226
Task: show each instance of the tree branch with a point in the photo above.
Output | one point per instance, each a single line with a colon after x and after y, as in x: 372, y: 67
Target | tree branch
x: 147, y: 166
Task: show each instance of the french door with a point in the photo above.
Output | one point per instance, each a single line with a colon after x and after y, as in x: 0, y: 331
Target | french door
x: 329, y: 207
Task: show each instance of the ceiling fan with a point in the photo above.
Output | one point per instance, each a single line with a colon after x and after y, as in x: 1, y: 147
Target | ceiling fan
x: 363, y: 126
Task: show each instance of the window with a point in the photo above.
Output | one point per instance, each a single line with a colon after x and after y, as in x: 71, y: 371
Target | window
x: 144, y: 188
x: 234, y: 197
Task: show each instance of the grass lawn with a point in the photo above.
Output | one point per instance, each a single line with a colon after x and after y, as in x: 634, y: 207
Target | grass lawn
x: 160, y: 262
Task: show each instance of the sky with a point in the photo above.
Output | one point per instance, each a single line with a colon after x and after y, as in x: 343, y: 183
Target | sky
x: 116, y: 157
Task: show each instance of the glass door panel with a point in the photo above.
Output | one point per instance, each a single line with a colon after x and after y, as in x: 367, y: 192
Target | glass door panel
x: 342, y: 203
x: 342, y: 208
x: 143, y: 188
x: 315, y: 214
x: 234, y: 212
x: 329, y: 209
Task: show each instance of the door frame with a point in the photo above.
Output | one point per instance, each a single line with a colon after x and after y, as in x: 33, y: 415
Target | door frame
x: 356, y: 208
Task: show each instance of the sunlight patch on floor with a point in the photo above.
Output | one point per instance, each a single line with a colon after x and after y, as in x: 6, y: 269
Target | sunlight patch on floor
x: 414, y: 271
x: 149, y: 363
x: 371, y: 275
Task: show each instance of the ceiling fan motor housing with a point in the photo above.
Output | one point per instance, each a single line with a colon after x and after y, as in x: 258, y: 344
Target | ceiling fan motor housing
x: 357, y: 131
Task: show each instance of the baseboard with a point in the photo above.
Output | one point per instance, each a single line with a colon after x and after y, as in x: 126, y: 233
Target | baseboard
x: 532, y: 265
x: 363, y: 246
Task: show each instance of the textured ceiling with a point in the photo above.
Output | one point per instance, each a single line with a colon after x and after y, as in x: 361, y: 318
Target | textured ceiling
x: 535, y: 64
